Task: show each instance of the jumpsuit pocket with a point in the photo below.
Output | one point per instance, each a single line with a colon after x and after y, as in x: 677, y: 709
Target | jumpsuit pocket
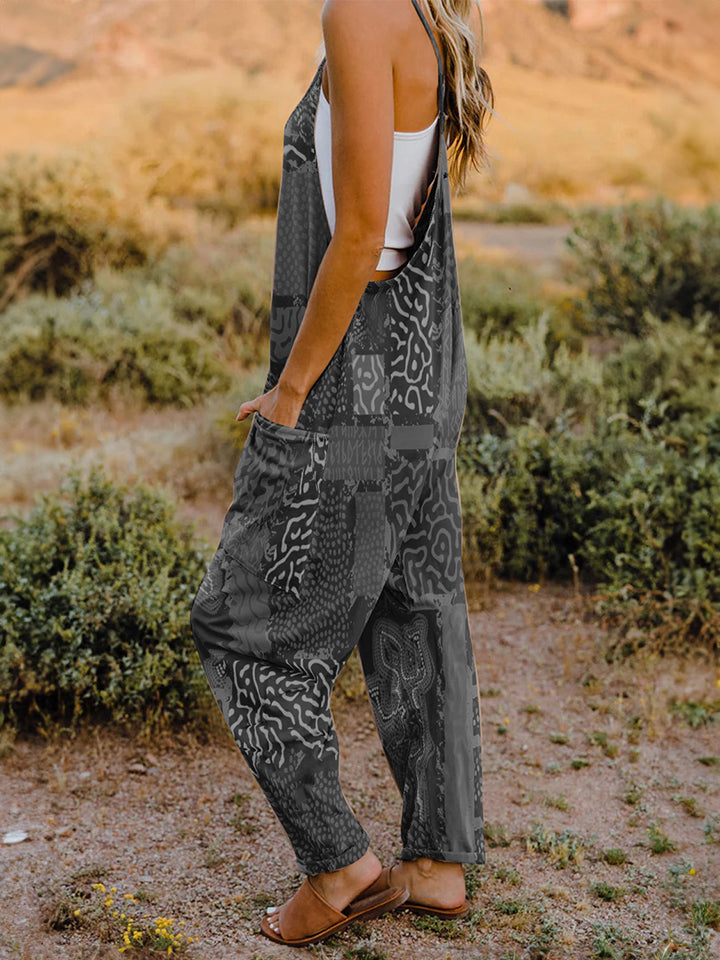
x: 270, y: 527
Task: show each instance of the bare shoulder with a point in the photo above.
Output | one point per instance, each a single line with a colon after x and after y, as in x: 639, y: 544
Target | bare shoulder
x: 360, y: 40
x: 371, y: 21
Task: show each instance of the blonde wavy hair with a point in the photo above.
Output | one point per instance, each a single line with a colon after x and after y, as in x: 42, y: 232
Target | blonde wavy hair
x: 469, y: 96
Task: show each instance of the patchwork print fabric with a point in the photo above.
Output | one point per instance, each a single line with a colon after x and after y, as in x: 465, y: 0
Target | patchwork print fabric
x: 271, y: 523
x: 345, y: 530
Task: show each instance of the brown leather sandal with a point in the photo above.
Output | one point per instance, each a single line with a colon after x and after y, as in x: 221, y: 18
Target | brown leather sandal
x: 445, y: 913
x: 384, y: 881
x: 308, y: 918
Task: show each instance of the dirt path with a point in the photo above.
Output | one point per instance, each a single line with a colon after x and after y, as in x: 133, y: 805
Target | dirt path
x: 571, y: 743
x: 539, y: 244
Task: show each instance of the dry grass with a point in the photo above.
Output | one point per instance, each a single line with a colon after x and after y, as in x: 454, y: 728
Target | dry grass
x: 198, y: 117
x: 593, y: 139
x: 191, y: 453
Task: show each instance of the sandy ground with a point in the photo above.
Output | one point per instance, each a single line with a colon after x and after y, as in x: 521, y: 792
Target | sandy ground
x: 541, y: 245
x: 574, y: 748
x: 161, y: 821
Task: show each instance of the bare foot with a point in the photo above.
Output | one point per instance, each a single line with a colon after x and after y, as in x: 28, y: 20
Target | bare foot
x: 433, y: 883
x: 339, y: 887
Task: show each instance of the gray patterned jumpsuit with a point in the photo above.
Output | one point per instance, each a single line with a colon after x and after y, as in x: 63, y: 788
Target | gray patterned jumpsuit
x: 346, y: 530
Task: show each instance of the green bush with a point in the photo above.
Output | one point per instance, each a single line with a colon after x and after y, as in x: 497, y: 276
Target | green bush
x: 226, y: 285
x: 512, y: 379
x: 656, y: 524
x: 526, y: 496
x: 637, y: 510
x: 671, y: 372
x: 87, y: 345
x: 499, y: 299
x: 96, y: 585
x: 655, y: 257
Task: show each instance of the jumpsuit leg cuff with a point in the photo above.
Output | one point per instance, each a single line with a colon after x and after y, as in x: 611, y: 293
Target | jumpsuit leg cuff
x: 343, y: 859
x: 452, y: 856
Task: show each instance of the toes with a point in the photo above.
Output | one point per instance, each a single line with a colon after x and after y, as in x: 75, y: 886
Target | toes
x: 273, y: 918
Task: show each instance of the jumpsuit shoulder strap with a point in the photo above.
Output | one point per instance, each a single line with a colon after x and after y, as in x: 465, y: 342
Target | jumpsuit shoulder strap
x: 441, y: 71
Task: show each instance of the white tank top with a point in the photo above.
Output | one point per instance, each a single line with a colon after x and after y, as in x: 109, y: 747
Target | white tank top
x: 412, y: 169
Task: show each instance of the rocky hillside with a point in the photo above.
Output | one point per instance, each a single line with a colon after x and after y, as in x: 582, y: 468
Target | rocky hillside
x: 630, y: 41
x: 144, y: 38
x: 633, y: 41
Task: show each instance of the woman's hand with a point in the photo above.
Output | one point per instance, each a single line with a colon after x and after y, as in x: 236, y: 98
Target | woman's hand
x: 279, y: 405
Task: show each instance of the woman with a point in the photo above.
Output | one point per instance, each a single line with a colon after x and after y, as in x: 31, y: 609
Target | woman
x: 345, y: 526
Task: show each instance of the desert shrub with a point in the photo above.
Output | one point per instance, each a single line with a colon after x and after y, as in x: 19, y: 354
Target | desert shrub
x: 90, y: 344
x: 655, y: 532
x: 636, y: 507
x: 514, y: 378
x: 96, y: 585
x: 188, y: 146
x: 656, y: 525
x: 59, y: 219
x: 223, y: 309
x: 641, y: 258
x: 227, y: 284
x: 527, y: 495
x: 499, y: 299
x: 670, y: 372
x: 483, y: 542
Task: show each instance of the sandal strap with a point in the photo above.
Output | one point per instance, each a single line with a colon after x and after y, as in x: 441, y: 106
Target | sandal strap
x: 381, y: 882
x: 306, y: 913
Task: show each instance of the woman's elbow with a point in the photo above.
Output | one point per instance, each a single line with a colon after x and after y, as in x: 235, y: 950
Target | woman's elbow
x: 360, y: 241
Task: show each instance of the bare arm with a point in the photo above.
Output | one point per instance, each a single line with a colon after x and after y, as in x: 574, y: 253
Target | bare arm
x: 360, y: 76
